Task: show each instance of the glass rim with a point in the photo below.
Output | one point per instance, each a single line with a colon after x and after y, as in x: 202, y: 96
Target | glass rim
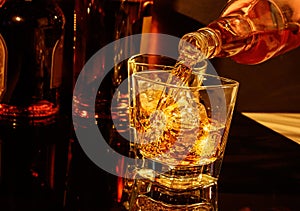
x: 133, y: 58
x: 229, y: 83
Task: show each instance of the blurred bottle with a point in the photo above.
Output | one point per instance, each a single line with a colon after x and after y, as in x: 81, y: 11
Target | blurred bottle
x: 96, y: 24
x: 248, y: 31
x: 33, y: 138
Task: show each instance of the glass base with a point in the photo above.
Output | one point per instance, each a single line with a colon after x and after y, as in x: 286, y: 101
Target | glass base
x: 173, y: 190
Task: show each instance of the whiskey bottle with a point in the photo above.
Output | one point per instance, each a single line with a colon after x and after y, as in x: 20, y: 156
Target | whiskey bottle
x: 31, y: 49
x: 248, y: 31
x: 33, y: 142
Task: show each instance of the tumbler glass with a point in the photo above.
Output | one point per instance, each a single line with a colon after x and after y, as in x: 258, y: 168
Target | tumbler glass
x: 179, y: 132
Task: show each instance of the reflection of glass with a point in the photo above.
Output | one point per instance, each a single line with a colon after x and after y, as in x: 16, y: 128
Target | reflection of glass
x: 182, y: 141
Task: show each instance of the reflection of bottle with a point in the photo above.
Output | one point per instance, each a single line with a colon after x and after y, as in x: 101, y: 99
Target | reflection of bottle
x: 249, y: 31
x: 33, y: 146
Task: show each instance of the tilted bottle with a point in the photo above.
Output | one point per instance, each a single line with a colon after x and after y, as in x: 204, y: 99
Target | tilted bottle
x: 33, y: 146
x: 248, y: 31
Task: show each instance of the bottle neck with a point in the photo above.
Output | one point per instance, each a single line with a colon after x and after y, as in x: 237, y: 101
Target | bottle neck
x: 202, y: 44
x: 225, y: 37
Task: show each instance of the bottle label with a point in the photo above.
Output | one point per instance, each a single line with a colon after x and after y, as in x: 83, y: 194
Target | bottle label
x: 57, y: 64
x: 3, y: 61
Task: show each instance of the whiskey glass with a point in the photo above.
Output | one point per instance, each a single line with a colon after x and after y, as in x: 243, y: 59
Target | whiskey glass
x: 179, y: 131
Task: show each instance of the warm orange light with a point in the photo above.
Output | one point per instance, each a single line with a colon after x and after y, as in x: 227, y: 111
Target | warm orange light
x: 52, y: 168
x: 120, y: 189
x: 120, y: 184
x: 17, y: 18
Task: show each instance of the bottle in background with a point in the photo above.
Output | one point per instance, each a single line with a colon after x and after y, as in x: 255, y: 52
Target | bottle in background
x: 248, y: 31
x: 98, y: 23
x: 33, y: 130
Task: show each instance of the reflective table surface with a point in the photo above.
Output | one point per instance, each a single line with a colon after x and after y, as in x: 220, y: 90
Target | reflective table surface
x: 260, y: 169
x: 260, y: 172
